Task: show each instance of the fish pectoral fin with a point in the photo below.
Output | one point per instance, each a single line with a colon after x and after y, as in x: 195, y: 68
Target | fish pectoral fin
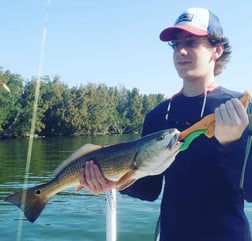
x: 126, y: 180
x: 79, y: 188
x: 125, y: 185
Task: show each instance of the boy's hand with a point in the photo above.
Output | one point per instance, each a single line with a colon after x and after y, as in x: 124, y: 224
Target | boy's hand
x: 231, y: 121
x: 92, y: 179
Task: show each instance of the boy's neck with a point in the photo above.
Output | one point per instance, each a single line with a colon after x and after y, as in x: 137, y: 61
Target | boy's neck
x: 197, y: 87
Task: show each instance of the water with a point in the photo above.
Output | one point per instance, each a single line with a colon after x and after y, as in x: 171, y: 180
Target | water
x: 68, y: 215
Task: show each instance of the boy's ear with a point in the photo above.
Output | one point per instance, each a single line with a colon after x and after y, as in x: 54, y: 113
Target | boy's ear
x: 218, y: 51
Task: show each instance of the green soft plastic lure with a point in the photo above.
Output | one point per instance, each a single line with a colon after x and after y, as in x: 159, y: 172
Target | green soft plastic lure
x: 204, y: 126
x: 190, y: 138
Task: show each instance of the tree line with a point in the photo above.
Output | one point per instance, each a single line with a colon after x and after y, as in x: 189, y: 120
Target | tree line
x: 89, y: 109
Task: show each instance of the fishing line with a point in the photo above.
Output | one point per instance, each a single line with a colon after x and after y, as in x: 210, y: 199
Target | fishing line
x: 33, y: 121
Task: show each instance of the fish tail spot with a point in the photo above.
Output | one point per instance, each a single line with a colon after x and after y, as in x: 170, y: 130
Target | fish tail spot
x: 34, y: 202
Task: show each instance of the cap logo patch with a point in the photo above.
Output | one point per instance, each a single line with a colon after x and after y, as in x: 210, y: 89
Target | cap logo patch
x: 185, y: 17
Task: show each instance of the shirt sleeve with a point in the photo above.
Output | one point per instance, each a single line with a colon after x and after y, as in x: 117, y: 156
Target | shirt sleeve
x: 146, y: 188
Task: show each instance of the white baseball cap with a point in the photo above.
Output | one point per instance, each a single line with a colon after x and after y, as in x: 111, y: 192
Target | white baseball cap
x: 197, y: 21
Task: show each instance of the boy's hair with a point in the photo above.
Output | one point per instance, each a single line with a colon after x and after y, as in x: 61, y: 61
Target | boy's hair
x: 221, y: 62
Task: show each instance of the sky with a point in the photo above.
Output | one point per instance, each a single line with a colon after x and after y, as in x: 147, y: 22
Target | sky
x: 114, y: 42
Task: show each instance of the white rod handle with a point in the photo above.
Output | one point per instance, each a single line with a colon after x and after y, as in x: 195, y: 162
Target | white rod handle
x: 111, y: 215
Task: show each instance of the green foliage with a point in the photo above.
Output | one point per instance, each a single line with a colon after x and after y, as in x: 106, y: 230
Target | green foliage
x: 62, y: 111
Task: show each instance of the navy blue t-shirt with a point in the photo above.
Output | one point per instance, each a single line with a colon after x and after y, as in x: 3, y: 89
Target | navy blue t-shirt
x: 202, y: 200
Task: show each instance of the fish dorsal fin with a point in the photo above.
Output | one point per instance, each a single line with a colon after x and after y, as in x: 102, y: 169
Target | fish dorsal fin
x: 80, y: 152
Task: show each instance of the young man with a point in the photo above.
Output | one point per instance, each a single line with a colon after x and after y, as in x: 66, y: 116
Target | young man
x: 202, y: 198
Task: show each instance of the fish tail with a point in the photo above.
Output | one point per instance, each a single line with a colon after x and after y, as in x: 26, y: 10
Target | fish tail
x: 33, y: 203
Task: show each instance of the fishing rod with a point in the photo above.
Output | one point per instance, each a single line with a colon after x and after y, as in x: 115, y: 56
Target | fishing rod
x: 111, y: 226
x: 2, y: 84
x: 33, y: 121
x: 111, y: 222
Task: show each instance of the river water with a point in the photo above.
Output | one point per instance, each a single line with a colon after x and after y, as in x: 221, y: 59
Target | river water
x: 68, y: 215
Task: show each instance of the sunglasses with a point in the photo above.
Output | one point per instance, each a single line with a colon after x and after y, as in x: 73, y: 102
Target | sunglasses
x: 190, y: 42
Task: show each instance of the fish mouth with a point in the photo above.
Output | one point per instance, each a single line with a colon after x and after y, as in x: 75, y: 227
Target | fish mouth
x: 174, y: 143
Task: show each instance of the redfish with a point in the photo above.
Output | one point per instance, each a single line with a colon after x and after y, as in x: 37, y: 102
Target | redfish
x: 123, y: 163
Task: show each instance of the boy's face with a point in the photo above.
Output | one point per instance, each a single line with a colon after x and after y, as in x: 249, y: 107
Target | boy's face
x: 193, y: 56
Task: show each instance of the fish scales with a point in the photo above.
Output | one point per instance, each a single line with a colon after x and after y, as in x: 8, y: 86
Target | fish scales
x: 118, y: 160
x: 123, y: 163
x: 113, y: 164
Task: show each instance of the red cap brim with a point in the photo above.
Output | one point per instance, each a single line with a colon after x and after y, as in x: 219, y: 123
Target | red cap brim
x: 170, y: 33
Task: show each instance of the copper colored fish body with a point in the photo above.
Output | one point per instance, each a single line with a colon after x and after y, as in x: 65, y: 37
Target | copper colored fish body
x: 123, y: 163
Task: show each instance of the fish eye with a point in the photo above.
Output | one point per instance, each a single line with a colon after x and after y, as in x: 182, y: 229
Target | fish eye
x: 161, y: 137
x: 37, y: 192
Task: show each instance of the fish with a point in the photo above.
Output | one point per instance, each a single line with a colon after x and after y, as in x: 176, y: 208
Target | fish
x: 123, y: 163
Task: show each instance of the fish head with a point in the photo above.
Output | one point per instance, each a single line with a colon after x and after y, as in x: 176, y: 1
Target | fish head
x: 158, y: 152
